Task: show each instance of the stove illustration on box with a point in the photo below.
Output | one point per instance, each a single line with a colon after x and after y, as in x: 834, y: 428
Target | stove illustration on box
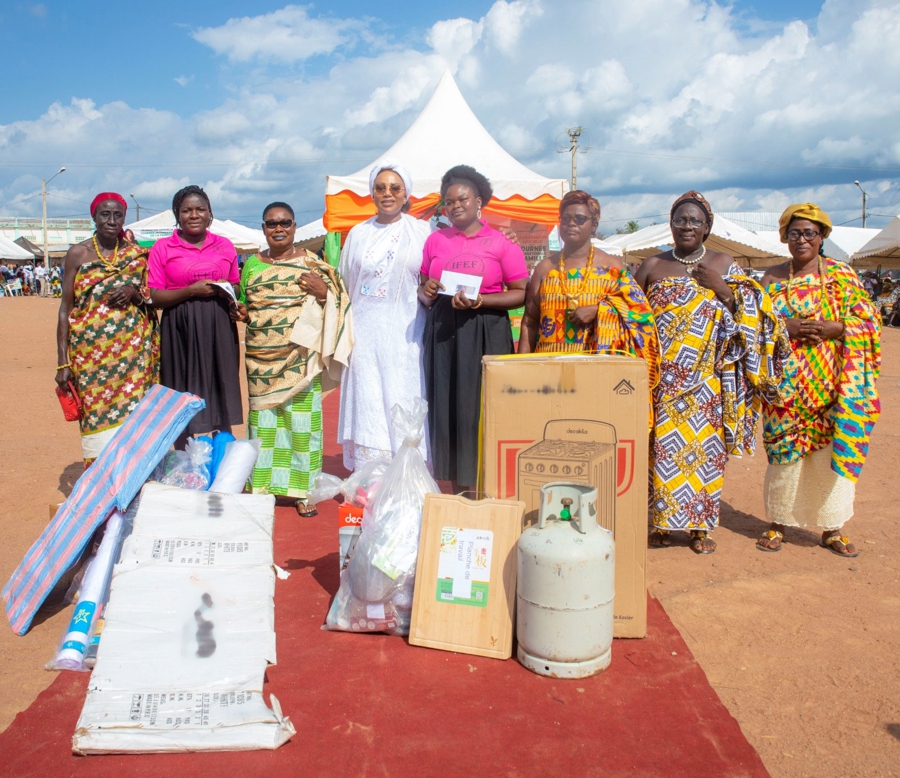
x: 572, y: 450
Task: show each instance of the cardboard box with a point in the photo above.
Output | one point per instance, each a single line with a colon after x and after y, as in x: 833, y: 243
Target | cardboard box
x: 577, y: 418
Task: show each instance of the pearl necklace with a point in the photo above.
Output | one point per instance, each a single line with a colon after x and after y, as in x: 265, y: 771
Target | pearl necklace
x: 572, y: 298
x: 822, y: 295
x: 686, y: 261
x: 109, y: 263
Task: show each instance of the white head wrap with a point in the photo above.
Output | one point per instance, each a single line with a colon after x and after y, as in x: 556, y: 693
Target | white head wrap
x: 389, y: 164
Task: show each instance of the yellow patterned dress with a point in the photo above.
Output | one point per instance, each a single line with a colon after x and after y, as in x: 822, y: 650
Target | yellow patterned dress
x: 817, y: 437
x: 716, y: 367
x: 285, y: 393
x: 624, y: 322
x: 114, y: 352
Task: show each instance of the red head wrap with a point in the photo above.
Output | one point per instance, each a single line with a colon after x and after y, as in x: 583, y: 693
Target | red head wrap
x: 103, y: 197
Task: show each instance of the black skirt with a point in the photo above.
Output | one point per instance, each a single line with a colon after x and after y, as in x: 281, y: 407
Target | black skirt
x: 455, y: 341
x: 200, y: 354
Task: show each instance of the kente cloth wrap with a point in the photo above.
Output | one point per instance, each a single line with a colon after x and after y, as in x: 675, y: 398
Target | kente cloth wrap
x: 624, y: 322
x: 828, y: 388
x: 290, y: 455
x: 114, y: 352
x: 716, y: 366
x: 277, y: 368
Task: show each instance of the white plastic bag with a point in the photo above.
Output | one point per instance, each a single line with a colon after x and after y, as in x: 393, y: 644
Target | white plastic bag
x: 358, y: 489
x: 236, y: 466
x: 188, y: 469
x: 376, y: 589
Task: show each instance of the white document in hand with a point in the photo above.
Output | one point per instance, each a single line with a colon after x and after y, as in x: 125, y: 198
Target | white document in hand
x: 460, y: 282
x: 229, y: 289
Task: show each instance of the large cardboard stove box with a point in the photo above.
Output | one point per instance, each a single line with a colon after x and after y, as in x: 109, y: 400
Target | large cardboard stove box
x: 576, y: 418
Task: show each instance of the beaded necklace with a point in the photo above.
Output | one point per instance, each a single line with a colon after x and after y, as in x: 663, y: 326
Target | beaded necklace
x: 572, y: 298
x: 686, y: 261
x: 822, y: 292
x: 109, y: 263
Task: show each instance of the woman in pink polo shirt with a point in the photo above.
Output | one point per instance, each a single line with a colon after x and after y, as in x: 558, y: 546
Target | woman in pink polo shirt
x: 462, y: 328
x: 199, y: 351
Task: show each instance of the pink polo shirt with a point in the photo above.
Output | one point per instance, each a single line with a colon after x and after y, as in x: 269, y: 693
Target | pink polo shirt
x: 487, y: 253
x: 174, y: 263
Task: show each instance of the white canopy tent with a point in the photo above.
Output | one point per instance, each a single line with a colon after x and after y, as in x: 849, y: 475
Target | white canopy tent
x: 13, y: 251
x: 748, y: 248
x: 883, y: 249
x: 446, y: 133
x: 162, y: 224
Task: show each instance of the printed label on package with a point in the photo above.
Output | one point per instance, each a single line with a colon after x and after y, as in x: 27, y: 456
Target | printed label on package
x: 464, y: 566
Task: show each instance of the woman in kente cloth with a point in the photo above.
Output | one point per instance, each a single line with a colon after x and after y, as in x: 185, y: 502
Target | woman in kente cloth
x: 584, y: 300
x: 817, y: 435
x: 107, y: 340
x: 200, y: 349
x: 722, y: 350
x: 297, y: 336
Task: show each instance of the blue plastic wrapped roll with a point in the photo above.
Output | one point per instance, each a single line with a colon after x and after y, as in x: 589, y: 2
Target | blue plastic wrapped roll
x: 219, y: 442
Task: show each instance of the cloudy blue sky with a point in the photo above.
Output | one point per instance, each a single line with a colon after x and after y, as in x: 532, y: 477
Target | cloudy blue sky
x: 757, y: 104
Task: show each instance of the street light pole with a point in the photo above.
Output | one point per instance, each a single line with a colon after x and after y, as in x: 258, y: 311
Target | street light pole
x: 865, y: 197
x: 44, y: 212
x: 574, y: 134
x: 138, y: 206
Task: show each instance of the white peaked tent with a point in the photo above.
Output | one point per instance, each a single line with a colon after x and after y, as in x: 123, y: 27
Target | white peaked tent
x: 745, y: 246
x: 11, y: 250
x: 447, y: 133
x: 160, y: 225
x: 882, y: 249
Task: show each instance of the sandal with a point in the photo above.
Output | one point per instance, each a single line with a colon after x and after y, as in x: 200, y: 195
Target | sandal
x: 306, y: 510
x: 698, y: 537
x: 770, y: 535
x: 828, y: 542
x: 659, y: 538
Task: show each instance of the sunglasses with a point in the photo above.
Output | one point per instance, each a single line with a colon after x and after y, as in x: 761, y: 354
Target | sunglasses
x: 394, y: 188
x: 578, y: 218
x: 273, y: 223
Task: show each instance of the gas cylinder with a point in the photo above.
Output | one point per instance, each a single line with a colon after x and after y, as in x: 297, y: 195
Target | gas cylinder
x: 565, y: 586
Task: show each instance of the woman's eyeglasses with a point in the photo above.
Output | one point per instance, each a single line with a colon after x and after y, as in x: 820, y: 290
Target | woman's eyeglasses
x: 578, y: 218
x: 681, y: 221
x: 395, y: 189
x: 808, y: 235
x: 273, y: 223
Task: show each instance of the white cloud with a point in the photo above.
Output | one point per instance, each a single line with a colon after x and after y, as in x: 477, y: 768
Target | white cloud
x: 183, y: 80
x: 287, y: 35
x: 38, y: 9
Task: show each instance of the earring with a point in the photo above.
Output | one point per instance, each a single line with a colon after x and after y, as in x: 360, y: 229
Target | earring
x: 478, y: 214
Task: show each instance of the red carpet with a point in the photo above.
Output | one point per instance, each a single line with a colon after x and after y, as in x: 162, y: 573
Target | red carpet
x: 371, y: 705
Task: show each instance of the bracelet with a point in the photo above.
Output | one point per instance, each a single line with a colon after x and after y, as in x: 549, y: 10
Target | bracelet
x: 478, y: 302
x: 62, y: 367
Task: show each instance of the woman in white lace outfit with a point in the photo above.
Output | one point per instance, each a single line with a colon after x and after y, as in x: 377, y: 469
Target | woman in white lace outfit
x: 380, y: 266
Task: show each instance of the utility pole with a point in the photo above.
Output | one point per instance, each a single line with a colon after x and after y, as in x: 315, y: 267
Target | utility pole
x: 138, y: 207
x: 865, y: 197
x: 574, y: 134
x: 44, y: 183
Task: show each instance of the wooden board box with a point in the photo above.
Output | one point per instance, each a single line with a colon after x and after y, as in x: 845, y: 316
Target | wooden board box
x: 465, y: 594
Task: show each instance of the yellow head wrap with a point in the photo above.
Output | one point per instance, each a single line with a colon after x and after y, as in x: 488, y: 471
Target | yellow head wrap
x: 809, y: 211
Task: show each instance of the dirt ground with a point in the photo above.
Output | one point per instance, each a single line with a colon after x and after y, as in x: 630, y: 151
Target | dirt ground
x: 802, y: 647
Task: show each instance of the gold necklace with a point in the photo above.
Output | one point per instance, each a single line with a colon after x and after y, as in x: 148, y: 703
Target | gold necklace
x: 109, y: 263
x: 572, y: 298
x: 822, y: 291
